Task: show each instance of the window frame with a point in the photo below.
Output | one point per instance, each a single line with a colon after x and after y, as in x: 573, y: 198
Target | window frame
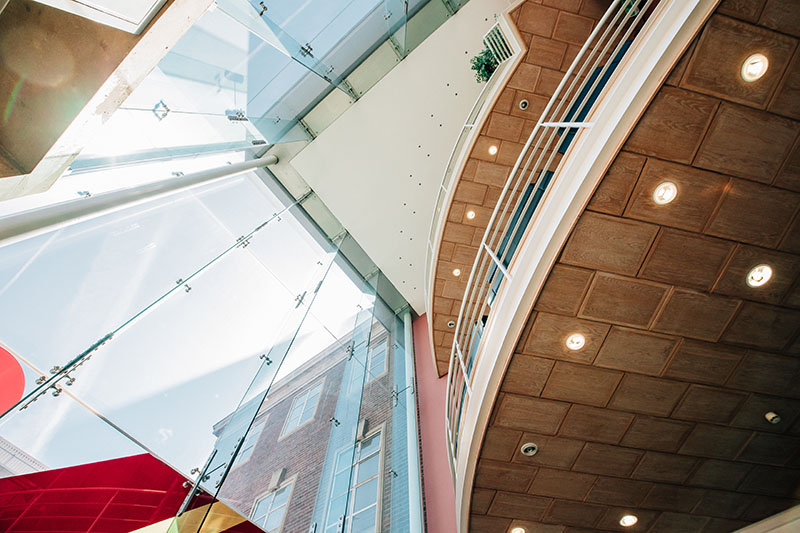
x: 385, y: 344
x: 353, y: 475
x: 284, y: 433
x: 259, y: 422
x: 291, y: 483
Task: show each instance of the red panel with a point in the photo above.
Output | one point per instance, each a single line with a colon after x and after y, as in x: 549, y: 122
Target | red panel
x: 12, y: 380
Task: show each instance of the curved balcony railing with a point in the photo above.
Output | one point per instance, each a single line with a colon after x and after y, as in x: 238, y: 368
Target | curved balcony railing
x: 504, y: 48
x: 563, y: 120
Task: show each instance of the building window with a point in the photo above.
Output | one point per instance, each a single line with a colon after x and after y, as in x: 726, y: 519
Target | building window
x: 376, y: 361
x: 363, y: 494
x: 270, y: 510
x: 303, y: 408
x: 250, y: 442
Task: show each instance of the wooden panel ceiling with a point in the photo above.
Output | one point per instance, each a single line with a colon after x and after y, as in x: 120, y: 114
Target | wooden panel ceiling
x: 661, y: 413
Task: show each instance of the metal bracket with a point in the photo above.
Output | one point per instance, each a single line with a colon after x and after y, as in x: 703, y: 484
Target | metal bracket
x: 396, y: 393
x: 299, y: 299
x: 267, y: 360
x: 335, y: 421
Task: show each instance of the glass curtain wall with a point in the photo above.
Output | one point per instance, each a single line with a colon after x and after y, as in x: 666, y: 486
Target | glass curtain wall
x: 221, y: 332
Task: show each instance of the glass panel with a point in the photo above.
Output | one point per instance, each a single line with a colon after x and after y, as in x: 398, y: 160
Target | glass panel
x: 365, y: 495
x: 368, y: 468
x: 364, y: 521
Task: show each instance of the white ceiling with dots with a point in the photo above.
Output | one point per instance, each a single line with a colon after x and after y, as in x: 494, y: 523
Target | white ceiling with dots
x: 379, y: 166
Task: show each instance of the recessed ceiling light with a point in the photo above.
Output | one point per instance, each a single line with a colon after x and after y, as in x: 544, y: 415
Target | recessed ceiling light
x: 492, y: 150
x: 759, y: 275
x: 470, y: 214
x: 665, y: 192
x: 575, y: 341
x: 517, y: 530
x: 754, y: 67
x: 628, y: 520
x: 773, y: 417
x: 456, y: 272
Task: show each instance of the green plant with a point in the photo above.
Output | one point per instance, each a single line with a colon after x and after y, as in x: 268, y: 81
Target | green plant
x: 484, y: 65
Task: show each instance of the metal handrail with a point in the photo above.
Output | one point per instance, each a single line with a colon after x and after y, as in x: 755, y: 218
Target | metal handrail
x: 457, y: 154
x: 563, y: 119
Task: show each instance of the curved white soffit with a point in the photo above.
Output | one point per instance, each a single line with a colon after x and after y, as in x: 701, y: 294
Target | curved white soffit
x: 669, y: 31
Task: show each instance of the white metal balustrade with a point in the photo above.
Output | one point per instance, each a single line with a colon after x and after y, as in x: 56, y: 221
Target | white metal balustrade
x: 567, y: 114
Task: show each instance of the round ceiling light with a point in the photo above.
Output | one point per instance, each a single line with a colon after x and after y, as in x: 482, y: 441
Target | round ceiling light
x: 576, y: 341
x: 470, y: 214
x: 492, y: 150
x: 456, y: 272
x: 759, y: 275
x: 628, y: 520
x: 665, y: 192
x: 754, y: 67
x: 517, y: 530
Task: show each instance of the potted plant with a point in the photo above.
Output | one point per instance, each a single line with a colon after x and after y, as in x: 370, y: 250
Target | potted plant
x: 484, y: 65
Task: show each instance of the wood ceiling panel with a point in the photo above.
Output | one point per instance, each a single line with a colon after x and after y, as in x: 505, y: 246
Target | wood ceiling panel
x: 684, y: 258
x: 770, y: 449
x: 664, y: 467
x: 708, y: 404
x: 763, y: 326
x: 561, y: 484
x: 609, y: 243
x: 482, y: 523
x: 549, y: 334
x: 607, y: 460
x: 754, y: 213
x: 786, y: 101
x: 699, y: 192
x: 703, y: 362
x: 574, y: 513
x: 714, y: 473
x: 616, y: 491
x: 717, y: 442
x: 622, y: 301
x: 593, y: 424
x: 785, y: 269
x: 555, y: 452
x: 747, y: 143
x: 722, y: 49
x: 500, y: 443
x: 524, y: 506
x: 659, y: 434
x: 581, y: 384
x: 651, y: 396
x: 615, y: 188
x: 751, y: 415
x: 527, y: 375
x: 782, y: 15
x: 725, y: 504
x: 610, y: 520
x: 673, y: 498
x: 679, y: 522
x: 791, y: 241
x: 767, y: 373
x: 502, y: 475
x: 696, y: 315
x: 682, y: 116
x: 564, y: 291
x: 772, y: 481
x: 530, y: 414
x: 635, y: 350
x: 481, y: 499
x: 789, y: 175
x: 748, y: 10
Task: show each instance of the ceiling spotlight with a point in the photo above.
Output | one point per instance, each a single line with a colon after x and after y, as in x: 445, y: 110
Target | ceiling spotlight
x: 492, y: 150
x: 517, y: 530
x: 754, y: 67
x: 456, y: 272
x: 628, y: 520
x: 773, y: 417
x: 665, y: 192
x: 759, y: 275
x: 470, y: 214
x: 575, y: 341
